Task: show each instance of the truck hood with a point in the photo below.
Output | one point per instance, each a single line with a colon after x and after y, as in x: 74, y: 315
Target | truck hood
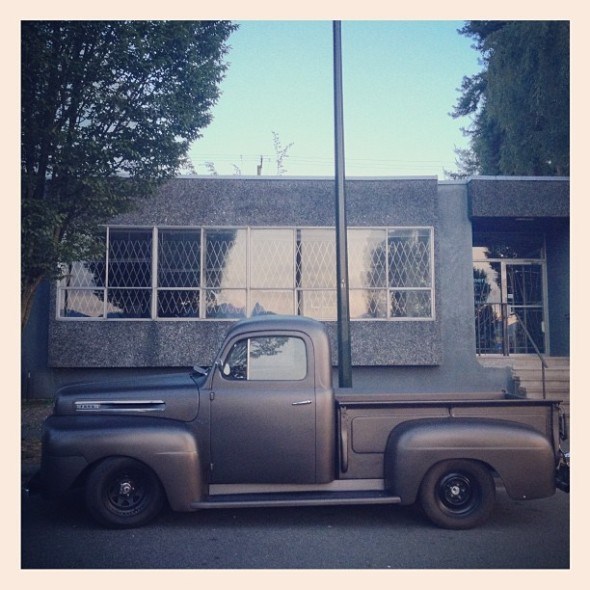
x: 174, y: 396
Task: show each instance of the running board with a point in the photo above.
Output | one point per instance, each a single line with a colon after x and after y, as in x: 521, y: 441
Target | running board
x: 295, y: 499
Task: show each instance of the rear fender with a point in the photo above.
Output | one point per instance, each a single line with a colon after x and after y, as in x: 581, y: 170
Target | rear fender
x: 521, y: 456
x: 72, y: 445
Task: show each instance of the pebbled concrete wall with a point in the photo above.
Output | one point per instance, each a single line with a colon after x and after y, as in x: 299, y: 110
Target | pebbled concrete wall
x: 509, y: 196
x: 259, y: 202
x: 435, y: 355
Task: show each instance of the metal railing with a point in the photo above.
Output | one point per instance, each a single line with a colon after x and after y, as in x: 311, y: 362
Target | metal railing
x: 536, y: 349
x: 494, y: 335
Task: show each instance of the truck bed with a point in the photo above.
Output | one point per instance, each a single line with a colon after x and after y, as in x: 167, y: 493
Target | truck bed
x: 366, y: 420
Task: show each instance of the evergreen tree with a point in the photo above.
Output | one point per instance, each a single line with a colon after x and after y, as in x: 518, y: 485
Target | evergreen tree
x: 519, y: 103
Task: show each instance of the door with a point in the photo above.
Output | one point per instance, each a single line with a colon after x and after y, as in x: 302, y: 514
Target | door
x: 263, y: 412
x: 509, y: 306
x: 524, y: 298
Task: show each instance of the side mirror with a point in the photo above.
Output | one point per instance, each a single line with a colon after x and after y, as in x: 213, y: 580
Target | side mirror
x: 223, y: 368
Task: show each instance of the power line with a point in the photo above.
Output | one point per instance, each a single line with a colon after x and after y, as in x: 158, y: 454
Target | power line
x: 224, y: 163
x: 314, y: 160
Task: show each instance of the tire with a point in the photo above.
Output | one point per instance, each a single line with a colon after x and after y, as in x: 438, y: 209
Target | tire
x: 123, y: 493
x: 458, y: 494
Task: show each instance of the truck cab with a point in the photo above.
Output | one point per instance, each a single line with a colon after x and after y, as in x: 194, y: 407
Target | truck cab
x: 272, y: 405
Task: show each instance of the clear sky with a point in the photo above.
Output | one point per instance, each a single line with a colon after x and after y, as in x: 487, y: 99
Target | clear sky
x: 400, y: 81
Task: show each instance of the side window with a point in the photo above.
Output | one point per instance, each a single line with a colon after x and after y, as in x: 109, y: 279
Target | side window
x: 268, y: 358
x: 236, y: 363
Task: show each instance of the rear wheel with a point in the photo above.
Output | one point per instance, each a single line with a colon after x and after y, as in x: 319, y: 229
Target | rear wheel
x: 122, y: 493
x: 458, y: 494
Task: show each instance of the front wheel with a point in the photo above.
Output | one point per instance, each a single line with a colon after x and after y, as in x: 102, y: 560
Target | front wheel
x: 123, y: 493
x: 458, y: 494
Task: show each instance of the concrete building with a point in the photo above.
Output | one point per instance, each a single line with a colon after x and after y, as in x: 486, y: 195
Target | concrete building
x: 450, y: 282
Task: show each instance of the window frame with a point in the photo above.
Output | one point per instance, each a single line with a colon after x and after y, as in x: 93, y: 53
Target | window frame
x: 297, y: 291
x: 248, y: 340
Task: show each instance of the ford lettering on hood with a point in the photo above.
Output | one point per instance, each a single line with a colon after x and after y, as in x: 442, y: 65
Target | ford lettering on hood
x: 172, y: 396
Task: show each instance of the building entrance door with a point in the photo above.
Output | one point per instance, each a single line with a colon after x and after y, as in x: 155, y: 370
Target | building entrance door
x: 524, y: 309
x: 509, y: 306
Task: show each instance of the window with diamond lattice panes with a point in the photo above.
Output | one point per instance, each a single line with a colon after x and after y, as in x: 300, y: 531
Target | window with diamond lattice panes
x: 272, y: 271
x: 82, y: 290
x: 129, y: 287
x: 179, y: 273
x: 316, y: 273
x: 410, y: 274
x: 225, y: 273
x: 368, y: 273
x: 231, y: 273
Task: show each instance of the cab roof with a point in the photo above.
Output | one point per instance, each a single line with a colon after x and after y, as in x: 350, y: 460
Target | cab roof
x: 278, y: 322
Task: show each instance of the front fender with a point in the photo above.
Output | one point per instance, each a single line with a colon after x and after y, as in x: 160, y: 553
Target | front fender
x: 71, y: 445
x: 522, y: 457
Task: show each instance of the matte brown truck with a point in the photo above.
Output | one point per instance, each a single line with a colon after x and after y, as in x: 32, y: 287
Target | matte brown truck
x: 265, y: 427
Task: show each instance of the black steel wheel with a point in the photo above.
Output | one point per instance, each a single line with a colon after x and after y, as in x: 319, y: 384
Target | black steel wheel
x: 458, y: 494
x: 122, y: 493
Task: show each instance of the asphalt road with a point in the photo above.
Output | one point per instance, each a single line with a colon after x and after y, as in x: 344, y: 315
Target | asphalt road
x: 527, y: 535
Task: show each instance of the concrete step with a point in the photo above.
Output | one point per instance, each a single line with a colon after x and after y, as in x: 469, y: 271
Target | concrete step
x: 532, y: 380
x: 554, y: 370
x: 537, y: 388
x: 552, y: 362
x: 559, y: 381
x: 550, y: 379
x: 527, y: 374
x: 557, y: 369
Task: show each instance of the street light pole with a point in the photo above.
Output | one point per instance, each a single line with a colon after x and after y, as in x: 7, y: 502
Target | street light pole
x: 344, y: 348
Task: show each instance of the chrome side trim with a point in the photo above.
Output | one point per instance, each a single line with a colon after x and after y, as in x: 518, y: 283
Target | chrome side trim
x: 120, y: 406
x: 341, y: 485
x: 302, y: 501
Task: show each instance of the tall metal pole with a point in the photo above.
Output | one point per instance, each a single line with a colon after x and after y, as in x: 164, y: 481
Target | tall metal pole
x: 344, y: 349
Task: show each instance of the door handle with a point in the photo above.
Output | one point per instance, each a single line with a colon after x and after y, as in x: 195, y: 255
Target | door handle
x: 303, y: 403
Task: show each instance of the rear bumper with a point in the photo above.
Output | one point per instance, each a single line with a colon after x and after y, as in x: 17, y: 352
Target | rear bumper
x: 562, y: 475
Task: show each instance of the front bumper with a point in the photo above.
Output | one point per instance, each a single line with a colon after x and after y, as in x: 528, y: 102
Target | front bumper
x: 34, y: 486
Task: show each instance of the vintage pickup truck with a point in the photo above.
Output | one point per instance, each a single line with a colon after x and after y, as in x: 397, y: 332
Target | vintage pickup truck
x: 265, y: 427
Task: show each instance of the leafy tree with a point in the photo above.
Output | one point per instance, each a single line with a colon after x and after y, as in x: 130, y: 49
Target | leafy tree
x: 108, y: 112
x: 519, y: 103
x: 281, y: 152
x: 211, y: 168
